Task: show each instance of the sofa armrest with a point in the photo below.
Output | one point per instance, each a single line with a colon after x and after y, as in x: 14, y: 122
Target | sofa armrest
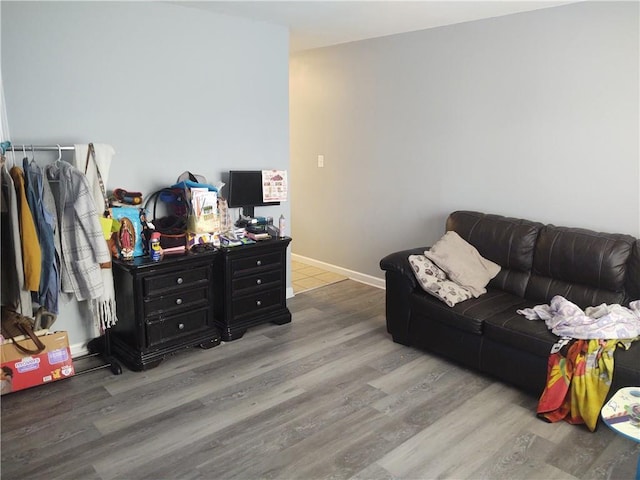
x: 400, y: 283
x: 398, y: 262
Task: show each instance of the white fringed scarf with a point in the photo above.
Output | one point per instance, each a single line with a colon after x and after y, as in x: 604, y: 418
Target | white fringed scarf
x: 104, y: 307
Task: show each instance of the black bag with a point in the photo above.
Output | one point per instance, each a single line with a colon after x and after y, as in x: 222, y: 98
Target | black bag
x: 172, y: 226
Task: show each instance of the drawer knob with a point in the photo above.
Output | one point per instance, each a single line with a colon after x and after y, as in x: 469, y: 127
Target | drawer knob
x: 181, y: 326
x: 259, y: 281
x: 259, y: 262
x: 258, y: 303
x: 178, y: 301
x: 179, y: 281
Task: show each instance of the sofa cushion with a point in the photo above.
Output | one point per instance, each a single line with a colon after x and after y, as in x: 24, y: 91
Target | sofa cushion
x: 586, y: 267
x: 532, y: 336
x: 462, y: 263
x: 469, y: 315
x: 434, y: 281
x: 510, y: 328
x: 507, y: 241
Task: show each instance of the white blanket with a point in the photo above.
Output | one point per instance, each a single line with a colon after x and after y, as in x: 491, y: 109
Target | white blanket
x: 566, y: 319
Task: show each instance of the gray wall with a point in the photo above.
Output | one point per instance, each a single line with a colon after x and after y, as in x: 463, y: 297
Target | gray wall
x: 170, y: 87
x: 532, y: 115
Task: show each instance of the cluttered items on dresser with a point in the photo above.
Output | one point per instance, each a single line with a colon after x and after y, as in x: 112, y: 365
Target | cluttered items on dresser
x: 183, y: 217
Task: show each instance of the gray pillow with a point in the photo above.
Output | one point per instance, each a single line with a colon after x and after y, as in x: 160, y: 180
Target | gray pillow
x: 462, y: 263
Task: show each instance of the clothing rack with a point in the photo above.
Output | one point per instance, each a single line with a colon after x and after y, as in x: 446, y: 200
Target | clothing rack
x: 94, y: 347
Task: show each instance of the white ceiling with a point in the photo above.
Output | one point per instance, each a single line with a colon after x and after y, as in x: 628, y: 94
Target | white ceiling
x: 315, y: 23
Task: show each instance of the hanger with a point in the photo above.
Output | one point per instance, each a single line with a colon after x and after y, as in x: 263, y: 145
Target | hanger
x: 59, y: 152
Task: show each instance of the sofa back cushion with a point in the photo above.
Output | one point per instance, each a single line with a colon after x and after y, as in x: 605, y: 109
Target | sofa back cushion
x: 509, y: 242
x: 586, y: 267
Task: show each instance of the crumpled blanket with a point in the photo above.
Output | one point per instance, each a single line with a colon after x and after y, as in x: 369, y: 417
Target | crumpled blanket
x: 580, y: 365
x: 566, y: 319
x: 578, y: 382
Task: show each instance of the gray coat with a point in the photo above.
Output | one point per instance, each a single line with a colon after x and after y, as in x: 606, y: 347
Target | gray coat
x: 83, y: 246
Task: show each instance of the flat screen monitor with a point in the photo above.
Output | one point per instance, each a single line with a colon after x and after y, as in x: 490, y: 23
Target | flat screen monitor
x: 244, y: 190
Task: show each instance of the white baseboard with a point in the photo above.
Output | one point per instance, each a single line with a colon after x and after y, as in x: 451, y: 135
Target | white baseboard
x: 78, y: 350
x: 356, y: 276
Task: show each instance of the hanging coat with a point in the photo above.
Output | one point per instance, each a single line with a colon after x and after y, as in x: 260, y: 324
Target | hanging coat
x: 83, y: 247
x: 14, y: 292
x: 31, y: 253
x: 49, y: 280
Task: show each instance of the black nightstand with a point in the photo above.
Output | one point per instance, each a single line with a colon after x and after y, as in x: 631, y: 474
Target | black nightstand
x: 250, y: 286
x: 163, y: 307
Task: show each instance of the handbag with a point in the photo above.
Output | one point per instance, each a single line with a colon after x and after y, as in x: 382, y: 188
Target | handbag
x: 173, y: 226
x: 14, y: 325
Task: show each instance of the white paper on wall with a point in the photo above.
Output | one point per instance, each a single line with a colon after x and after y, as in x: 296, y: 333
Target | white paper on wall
x: 274, y: 185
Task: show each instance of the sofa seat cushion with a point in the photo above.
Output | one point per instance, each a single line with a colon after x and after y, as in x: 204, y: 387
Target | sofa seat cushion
x: 533, y: 337
x: 511, y: 328
x: 469, y: 315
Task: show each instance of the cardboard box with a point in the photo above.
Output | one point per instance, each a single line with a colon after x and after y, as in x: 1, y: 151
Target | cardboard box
x: 21, y: 370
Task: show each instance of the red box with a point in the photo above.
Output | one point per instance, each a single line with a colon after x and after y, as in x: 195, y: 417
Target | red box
x: 21, y: 370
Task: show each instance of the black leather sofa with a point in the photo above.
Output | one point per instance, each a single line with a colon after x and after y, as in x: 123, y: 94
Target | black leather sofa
x: 537, y: 262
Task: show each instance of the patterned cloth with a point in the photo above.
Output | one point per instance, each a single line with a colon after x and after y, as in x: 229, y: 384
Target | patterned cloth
x: 434, y: 280
x: 578, y: 381
x: 566, y: 319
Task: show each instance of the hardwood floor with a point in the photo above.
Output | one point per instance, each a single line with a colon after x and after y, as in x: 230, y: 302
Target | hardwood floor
x: 327, y: 396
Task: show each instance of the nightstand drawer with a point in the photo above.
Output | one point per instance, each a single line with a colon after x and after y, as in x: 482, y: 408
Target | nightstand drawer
x: 168, y: 329
x: 181, y: 300
x: 182, y: 278
x: 257, y: 303
x: 261, y: 280
x: 242, y: 265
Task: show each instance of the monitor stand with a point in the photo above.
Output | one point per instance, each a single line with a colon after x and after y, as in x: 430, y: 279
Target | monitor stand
x: 245, y: 217
x: 247, y: 212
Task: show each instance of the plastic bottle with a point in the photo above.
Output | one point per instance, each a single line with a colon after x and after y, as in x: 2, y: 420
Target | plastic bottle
x: 281, y: 225
x: 155, y: 250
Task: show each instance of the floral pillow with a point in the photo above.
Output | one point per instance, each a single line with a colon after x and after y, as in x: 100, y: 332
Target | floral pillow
x: 434, y: 281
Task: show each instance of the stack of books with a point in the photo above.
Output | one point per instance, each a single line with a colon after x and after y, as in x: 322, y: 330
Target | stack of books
x: 257, y: 236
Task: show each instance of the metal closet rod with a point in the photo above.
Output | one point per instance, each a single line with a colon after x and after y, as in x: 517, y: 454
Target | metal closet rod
x: 41, y: 148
